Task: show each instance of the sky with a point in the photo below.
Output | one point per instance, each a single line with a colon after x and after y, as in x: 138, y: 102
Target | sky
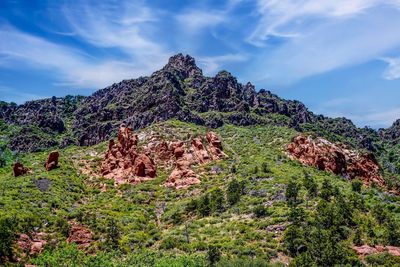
x: 339, y: 57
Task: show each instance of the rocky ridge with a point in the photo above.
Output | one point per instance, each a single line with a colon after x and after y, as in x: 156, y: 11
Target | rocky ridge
x: 179, y: 90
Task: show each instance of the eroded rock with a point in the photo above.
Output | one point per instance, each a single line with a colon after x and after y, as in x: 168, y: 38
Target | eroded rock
x: 19, y: 169
x: 52, y: 161
x: 366, y: 250
x: 335, y: 158
x: 123, y: 163
x: 32, y: 244
x: 80, y: 235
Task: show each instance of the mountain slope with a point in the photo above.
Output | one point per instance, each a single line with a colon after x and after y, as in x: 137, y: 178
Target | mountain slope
x: 179, y: 90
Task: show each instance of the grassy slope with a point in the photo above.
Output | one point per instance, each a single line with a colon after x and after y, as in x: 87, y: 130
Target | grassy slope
x: 148, y: 238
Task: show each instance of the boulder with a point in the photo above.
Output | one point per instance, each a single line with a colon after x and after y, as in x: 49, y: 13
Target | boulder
x: 19, y: 169
x: 52, y: 161
x: 80, y: 235
x: 335, y: 158
x: 32, y: 244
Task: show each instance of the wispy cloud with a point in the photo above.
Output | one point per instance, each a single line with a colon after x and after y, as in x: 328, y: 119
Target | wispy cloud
x: 292, y: 18
x: 12, y: 95
x: 74, y: 67
x: 359, y: 112
x: 332, y: 45
x: 392, y: 71
x: 212, y: 64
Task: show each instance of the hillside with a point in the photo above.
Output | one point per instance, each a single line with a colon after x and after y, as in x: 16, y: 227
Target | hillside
x: 282, y: 190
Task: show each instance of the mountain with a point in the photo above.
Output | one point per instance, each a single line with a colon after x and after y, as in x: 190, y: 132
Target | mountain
x: 179, y: 90
x: 179, y: 169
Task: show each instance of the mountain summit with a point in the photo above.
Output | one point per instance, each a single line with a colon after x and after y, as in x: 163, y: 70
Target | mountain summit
x: 179, y: 90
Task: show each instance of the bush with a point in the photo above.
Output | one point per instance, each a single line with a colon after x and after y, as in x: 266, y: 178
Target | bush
x: 292, y: 192
x: 234, y: 191
x: 213, y: 255
x: 7, y: 237
x: 260, y: 211
x: 356, y: 185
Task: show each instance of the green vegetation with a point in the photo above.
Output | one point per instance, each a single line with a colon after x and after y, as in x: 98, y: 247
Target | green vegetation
x: 259, y: 207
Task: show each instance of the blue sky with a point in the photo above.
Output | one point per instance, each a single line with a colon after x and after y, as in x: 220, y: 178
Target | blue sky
x: 340, y: 57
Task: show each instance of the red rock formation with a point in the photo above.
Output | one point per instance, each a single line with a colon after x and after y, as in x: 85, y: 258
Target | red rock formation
x: 199, y: 151
x: 80, y: 235
x: 215, y: 146
x: 19, y: 169
x: 366, y: 250
x: 123, y: 163
x: 52, y: 161
x: 182, y: 176
x: 335, y: 158
x: 33, y: 244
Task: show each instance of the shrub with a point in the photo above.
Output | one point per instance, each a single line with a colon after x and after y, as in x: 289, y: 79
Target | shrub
x: 356, y: 185
x: 213, y: 255
x: 234, y: 191
x: 260, y: 211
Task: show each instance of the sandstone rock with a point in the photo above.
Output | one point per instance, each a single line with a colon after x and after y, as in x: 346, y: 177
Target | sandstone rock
x: 123, y: 163
x: 394, y: 251
x: 215, y: 146
x: 335, y: 158
x: 52, y: 161
x: 19, y: 169
x: 32, y: 244
x: 80, y: 235
x: 365, y: 250
x: 199, y: 151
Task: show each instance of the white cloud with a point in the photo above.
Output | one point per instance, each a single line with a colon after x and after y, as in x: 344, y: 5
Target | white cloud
x: 17, y: 96
x: 293, y: 18
x: 195, y: 20
x: 392, y: 71
x: 332, y: 45
x: 212, y: 64
x: 74, y: 67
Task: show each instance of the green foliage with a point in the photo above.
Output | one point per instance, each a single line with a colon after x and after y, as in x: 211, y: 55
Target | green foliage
x: 213, y: 255
x: 234, y: 191
x: 356, y: 185
x: 292, y: 192
x: 7, y: 237
x: 310, y: 184
x: 260, y: 211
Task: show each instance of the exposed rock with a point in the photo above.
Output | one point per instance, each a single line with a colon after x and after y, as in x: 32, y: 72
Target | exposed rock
x: 42, y: 184
x: 32, y: 244
x: 19, y: 169
x: 81, y: 235
x: 199, y: 151
x: 52, y: 161
x: 215, y: 146
x: 123, y: 163
x: 366, y: 250
x: 335, y: 158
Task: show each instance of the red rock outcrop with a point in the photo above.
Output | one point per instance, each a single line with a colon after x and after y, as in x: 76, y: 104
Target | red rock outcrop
x: 215, y: 146
x: 52, y: 161
x: 123, y: 163
x: 33, y: 244
x: 80, y: 235
x: 366, y: 250
x: 335, y: 158
x: 183, y: 175
x: 19, y: 169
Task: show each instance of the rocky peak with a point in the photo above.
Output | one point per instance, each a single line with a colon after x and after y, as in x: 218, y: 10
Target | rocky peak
x: 185, y: 65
